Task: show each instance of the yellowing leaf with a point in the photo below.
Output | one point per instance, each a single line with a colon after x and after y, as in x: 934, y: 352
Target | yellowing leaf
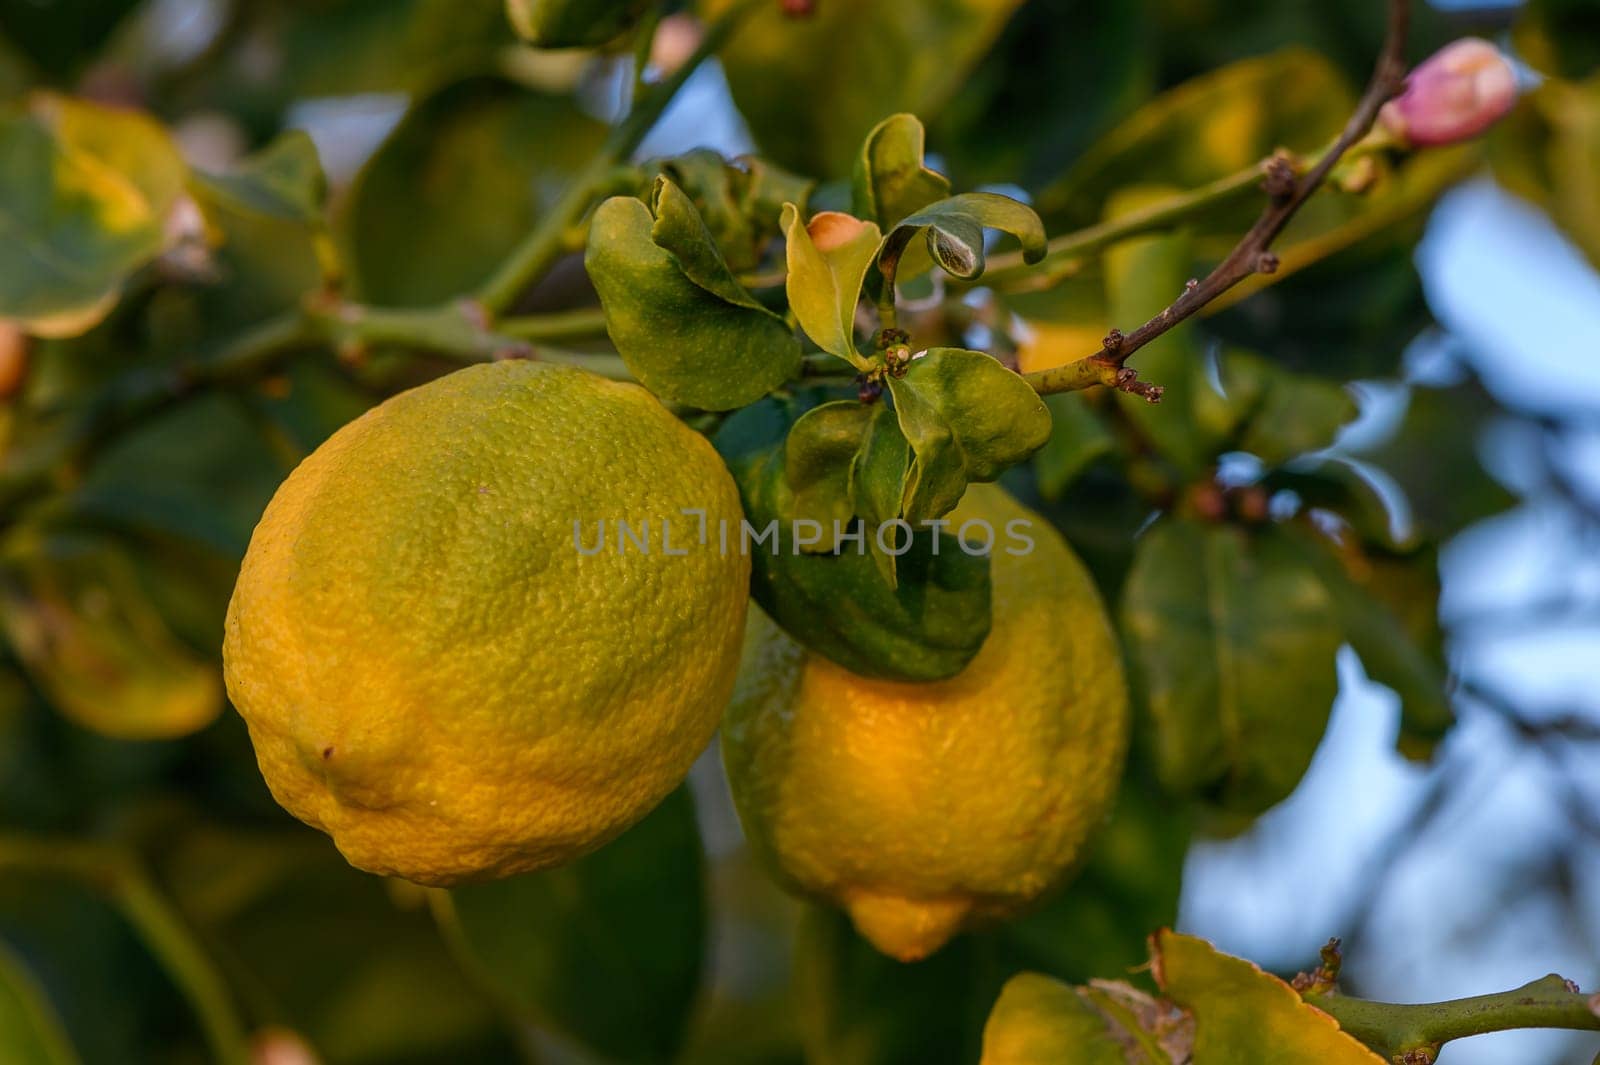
x: 1244, y: 1016
x: 81, y: 624
x: 85, y: 192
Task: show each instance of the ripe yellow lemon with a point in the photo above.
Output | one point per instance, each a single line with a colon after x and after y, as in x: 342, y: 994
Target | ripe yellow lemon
x: 441, y: 662
x: 923, y: 809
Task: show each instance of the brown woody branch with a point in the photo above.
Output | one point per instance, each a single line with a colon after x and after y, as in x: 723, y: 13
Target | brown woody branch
x: 1287, y: 192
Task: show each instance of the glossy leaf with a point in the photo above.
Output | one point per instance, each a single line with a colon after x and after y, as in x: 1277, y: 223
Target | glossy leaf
x: 828, y: 261
x: 87, y: 192
x: 1232, y: 640
x: 283, y: 180
x: 953, y: 229
x: 925, y: 625
x: 30, y: 1032
x: 814, y: 87
x: 891, y: 178
x: 608, y: 950
x: 687, y: 330
x: 467, y: 173
x: 967, y: 418
x: 573, y: 23
x: 77, y: 617
x: 1244, y: 1016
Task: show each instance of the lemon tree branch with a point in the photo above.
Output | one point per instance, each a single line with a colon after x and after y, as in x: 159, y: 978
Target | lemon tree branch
x: 1413, y: 1034
x: 1288, y: 192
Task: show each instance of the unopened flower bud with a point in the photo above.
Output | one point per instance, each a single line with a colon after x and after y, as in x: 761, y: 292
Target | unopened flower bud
x: 1454, y: 96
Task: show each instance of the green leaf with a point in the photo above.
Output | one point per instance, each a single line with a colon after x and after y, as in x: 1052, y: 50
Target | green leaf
x: 953, y: 229
x: 463, y: 178
x: 828, y: 261
x: 1077, y: 438
x: 573, y: 23
x: 77, y: 617
x: 30, y: 1032
x: 967, y: 418
x: 812, y: 88
x: 877, y: 483
x: 284, y: 180
x: 687, y: 330
x: 85, y: 192
x: 742, y: 204
x: 891, y: 179
x: 819, y: 465
x: 608, y: 950
x: 1401, y: 652
x: 1243, y: 1016
x: 927, y: 625
x: 1232, y: 640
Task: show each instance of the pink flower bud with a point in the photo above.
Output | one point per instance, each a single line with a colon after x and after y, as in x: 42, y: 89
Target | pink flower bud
x: 1461, y: 91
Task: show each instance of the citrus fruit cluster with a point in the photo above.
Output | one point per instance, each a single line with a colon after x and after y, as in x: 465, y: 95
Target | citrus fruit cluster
x: 438, y: 671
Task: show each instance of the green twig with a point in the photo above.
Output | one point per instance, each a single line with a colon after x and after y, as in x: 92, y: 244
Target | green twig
x: 1413, y: 1034
x: 117, y: 874
x: 1007, y: 270
x: 543, y: 246
x: 580, y: 324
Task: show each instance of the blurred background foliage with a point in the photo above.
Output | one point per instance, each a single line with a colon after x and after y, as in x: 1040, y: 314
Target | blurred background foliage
x: 1320, y: 443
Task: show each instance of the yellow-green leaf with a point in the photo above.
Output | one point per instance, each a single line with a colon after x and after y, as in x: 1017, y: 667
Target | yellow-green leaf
x: 828, y: 263
x: 85, y: 192
x: 1244, y: 1016
x: 77, y: 617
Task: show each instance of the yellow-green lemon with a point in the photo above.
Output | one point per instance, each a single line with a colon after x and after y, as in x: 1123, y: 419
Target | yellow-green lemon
x: 476, y: 632
x: 923, y: 809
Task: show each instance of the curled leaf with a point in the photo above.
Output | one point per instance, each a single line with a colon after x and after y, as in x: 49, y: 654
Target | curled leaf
x: 953, y: 229
x: 685, y: 327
